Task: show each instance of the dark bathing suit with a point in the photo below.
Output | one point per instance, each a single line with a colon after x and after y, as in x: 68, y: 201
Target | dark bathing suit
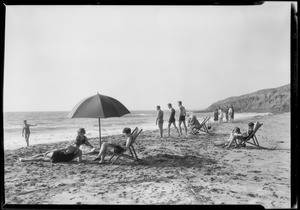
x: 27, y: 129
x: 81, y: 139
x: 118, y: 149
x: 182, y: 114
x: 216, y: 116
x: 246, y: 135
x: 160, y: 117
x: 62, y: 156
x: 172, y: 116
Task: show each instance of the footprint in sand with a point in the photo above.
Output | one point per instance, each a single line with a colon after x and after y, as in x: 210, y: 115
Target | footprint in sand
x: 215, y: 190
x: 251, y: 195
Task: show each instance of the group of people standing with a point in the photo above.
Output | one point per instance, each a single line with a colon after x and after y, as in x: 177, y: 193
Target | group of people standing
x: 171, y: 121
x: 224, y: 114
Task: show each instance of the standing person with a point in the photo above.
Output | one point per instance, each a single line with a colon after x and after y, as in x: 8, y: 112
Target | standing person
x: 220, y: 112
x: 232, y: 116
x: 226, y: 114
x: 230, y: 113
x: 182, y: 114
x: 216, y: 115
x: 117, y: 148
x: 172, y: 119
x: 160, y: 120
x: 26, y: 131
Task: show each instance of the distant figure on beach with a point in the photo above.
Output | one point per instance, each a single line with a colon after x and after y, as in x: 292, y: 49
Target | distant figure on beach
x: 26, y: 131
x: 82, y: 139
x: 236, y: 135
x: 216, y: 115
x: 230, y: 114
x: 182, y: 114
x: 160, y: 120
x: 62, y: 155
x: 193, y: 123
x: 220, y: 112
x: 226, y: 115
x: 172, y: 119
x: 117, y: 148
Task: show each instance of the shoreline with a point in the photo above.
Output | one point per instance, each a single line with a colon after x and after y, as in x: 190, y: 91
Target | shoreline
x: 176, y: 170
x: 70, y: 136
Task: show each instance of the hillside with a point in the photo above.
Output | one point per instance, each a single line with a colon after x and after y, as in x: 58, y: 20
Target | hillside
x: 274, y: 100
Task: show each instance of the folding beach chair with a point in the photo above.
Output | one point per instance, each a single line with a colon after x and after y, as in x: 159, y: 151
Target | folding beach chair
x: 132, y: 155
x: 257, y: 125
x: 203, y: 127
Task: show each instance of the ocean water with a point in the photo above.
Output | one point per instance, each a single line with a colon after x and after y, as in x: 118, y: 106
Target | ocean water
x: 56, y: 126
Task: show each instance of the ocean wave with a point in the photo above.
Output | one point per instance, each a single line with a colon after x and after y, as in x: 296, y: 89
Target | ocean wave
x: 138, y: 115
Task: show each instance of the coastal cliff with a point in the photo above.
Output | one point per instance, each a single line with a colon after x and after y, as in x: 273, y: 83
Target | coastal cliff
x: 274, y: 100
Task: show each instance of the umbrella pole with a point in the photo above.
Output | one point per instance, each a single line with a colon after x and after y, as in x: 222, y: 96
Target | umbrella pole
x: 99, y: 132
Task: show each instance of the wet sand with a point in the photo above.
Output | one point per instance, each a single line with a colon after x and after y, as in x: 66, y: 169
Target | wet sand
x: 177, y: 170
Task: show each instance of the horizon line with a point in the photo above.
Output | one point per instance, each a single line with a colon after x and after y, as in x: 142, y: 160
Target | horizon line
x: 69, y: 110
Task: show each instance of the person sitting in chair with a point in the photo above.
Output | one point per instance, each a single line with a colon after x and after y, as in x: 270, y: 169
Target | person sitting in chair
x: 238, y: 137
x: 117, y: 148
x: 193, y: 123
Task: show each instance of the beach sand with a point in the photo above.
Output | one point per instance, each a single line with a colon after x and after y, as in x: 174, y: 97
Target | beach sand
x: 177, y: 170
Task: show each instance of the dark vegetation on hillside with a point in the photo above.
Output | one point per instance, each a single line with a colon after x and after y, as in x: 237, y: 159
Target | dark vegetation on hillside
x: 274, y: 100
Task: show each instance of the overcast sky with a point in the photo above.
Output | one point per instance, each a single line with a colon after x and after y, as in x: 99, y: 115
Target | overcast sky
x: 143, y: 56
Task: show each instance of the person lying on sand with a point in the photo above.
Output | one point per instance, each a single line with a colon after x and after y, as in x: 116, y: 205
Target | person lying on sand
x: 117, y: 148
x: 62, y: 155
x: 239, y: 137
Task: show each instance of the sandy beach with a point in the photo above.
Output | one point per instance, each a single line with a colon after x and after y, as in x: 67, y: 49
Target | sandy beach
x: 178, y: 170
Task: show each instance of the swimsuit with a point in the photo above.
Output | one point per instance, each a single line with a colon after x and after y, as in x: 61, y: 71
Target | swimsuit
x: 216, y: 116
x: 26, y: 128
x: 118, y: 149
x: 172, y: 116
x: 160, y: 117
x: 181, y: 118
x: 247, y: 135
x: 62, y: 156
x: 182, y: 114
x: 81, y: 139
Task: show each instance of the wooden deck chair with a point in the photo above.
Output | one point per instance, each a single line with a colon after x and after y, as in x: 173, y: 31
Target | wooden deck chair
x: 257, y: 125
x: 203, y: 127
x: 132, y: 155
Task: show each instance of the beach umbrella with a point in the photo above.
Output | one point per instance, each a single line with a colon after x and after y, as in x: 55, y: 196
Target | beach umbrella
x: 98, y: 106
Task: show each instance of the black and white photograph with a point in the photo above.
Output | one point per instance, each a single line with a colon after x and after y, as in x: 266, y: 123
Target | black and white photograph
x: 148, y: 104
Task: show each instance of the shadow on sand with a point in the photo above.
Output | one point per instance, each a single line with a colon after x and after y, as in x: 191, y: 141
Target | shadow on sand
x: 170, y: 160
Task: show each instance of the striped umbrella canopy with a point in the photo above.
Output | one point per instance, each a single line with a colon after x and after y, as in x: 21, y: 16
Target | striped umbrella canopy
x: 98, y: 106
